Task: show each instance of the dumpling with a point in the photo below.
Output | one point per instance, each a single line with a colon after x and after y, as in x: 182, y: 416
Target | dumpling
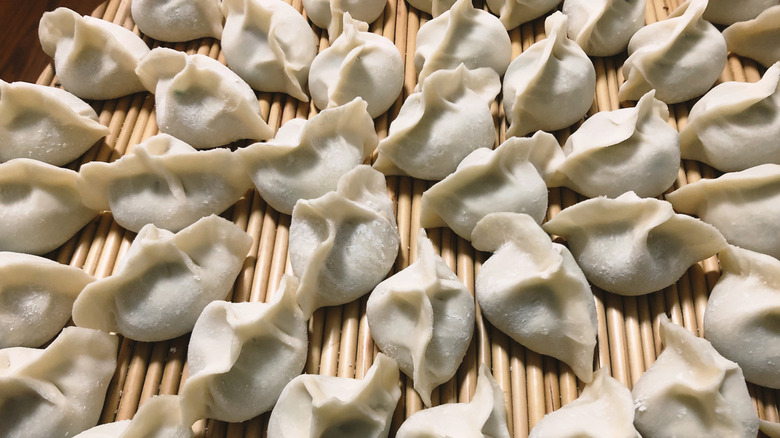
x: 59, y: 391
x: 307, y: 157
x: 93, y: 58
x: 743, y: 205
x: 201, y: 101
x: 324, y: 406
x: 440, y: 124
x: 772, y: 430
x: 736, y: 125
x: 165, y: 281
x: 629, y: 149
x: 631, y: 245
x: 604, y: 409
x: 40, y: 206
x: 358, y: 64
x: 757, y: 39
x: 512, y: 178
x: 729, y: 12
x: 45, y: 123
x: 423, y: 317
x: 269, y: 44
x: 36, y: 298
x: 484, y: 416
x: 241, y: 355
x: 513, y: 13
x: 680, y: 57
x: 433, y: 7
x: 177, y: 20
x: 158, y: 417
x: 532, y: 290
x: 343, y: 243
x: 329, y: 14
x: 551, y: 85
x: 692, y: 391
x: 164, y: 182
x: 605, y: 28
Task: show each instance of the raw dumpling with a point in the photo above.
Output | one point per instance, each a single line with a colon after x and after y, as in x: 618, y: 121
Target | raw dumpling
x: 324, y: 406
x: 512, y: 178
x: 692, y: 391
x: 40, y: 206
x: 158, y: 417
x: 329, y: 14
x: 423, y: 317
x: 59, y: 391
x: 757, y: 39
x: 164, y: 182
x: 532, y: 290
x: 307, y: 157
x: 45, y: 123
x: 358, y: 64
x: 551, y: 85
x: 633, y: 246
x: 513, y: 13
x: 165, y: 281
x: 433, y: 7
x: 177, y: 20
x: 201, y: 101
x: 729, y: 12
x: 93, y: 58
x: 484, y: 416
x: 736, y: 125
x: 343, y: 243
x: 440, y: 124
x: 680, y: 57
x: 36, y: 298
x: 604, y: 28
x: 269, y: 44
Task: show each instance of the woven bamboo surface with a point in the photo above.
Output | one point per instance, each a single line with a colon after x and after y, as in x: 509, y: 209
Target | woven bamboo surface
x: 339, y: 340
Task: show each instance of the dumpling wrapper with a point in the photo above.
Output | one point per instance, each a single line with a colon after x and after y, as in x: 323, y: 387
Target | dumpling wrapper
x: 513, y: 13
x: 177, y: 20
x: 758, y: 38
x: 729, y: 12
x: 329, y: 14
x: 433, y: 7
x: 158, y: 417
x: 604, y: 27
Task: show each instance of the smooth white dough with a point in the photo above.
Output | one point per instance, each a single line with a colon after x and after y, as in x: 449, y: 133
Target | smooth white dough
x: 58, y: 391
x: 165, y: 280
x: 93, y: 58
x: 729, y: 12
x: 532, y: 290
x: 358, y: 64
x: 423, y: 317
x: 513, y: 13
x: 269, y: 44
x: 680, y: 57
x: 439, y: 125
x: 306, y: 158
x: 36, y: 298
x: 343, y: 243
x: 551, y: 85
x: 45, y: 123
x: 484, y: 416
x: 329, y: 14
x: 241, y: 355
x: 40, y: 206
x: 692, y: 391
x: 314, y: 405
x: 177, y: 20
x: 736, y: 125
x: 201, y: 101
x: 631, y: 245
x: 433, y: 7
x: 158, y: 417
x: 604, y: 27
x: 757, y: 39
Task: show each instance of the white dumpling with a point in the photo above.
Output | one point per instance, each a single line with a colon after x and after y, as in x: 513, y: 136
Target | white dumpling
x: 532, y: 290
x: 177, y: 20
x: 158, y: 417
x: 484, y: 416
x: 604, y: 27
x: 306, y: 158
x: 605, y: 409
x: 314, y: 405
x: 329, y: 14
x: 551, y: 85
x: 757, y: 39
x: 631, y: 245
x: 165, y: 281
x: 45, y: 123
x: 513, y: 13
x: 40, y: 206
x: 93, y: 58
x: 680, y: 57
x: 433, y: 7
x: 164, y: 182
x: 736, y: 125
x: 729, y: 12
x: 440, y: 124
x: 36, y: 298
x: 512, y: 178
x: 692, y: 391
x: 201, y: 101
x: 629, y: 149
x: 58, y: 391
x: 343, y: 243
x: 423, y: 317
x: 269, y: 44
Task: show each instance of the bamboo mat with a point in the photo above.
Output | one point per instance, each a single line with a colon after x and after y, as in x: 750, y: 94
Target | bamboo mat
x: 339, y: 339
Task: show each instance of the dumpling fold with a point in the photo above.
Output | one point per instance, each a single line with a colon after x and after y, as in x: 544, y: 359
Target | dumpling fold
x: 158, y: 417
x: 758, y: 38
x: 604, y: 27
